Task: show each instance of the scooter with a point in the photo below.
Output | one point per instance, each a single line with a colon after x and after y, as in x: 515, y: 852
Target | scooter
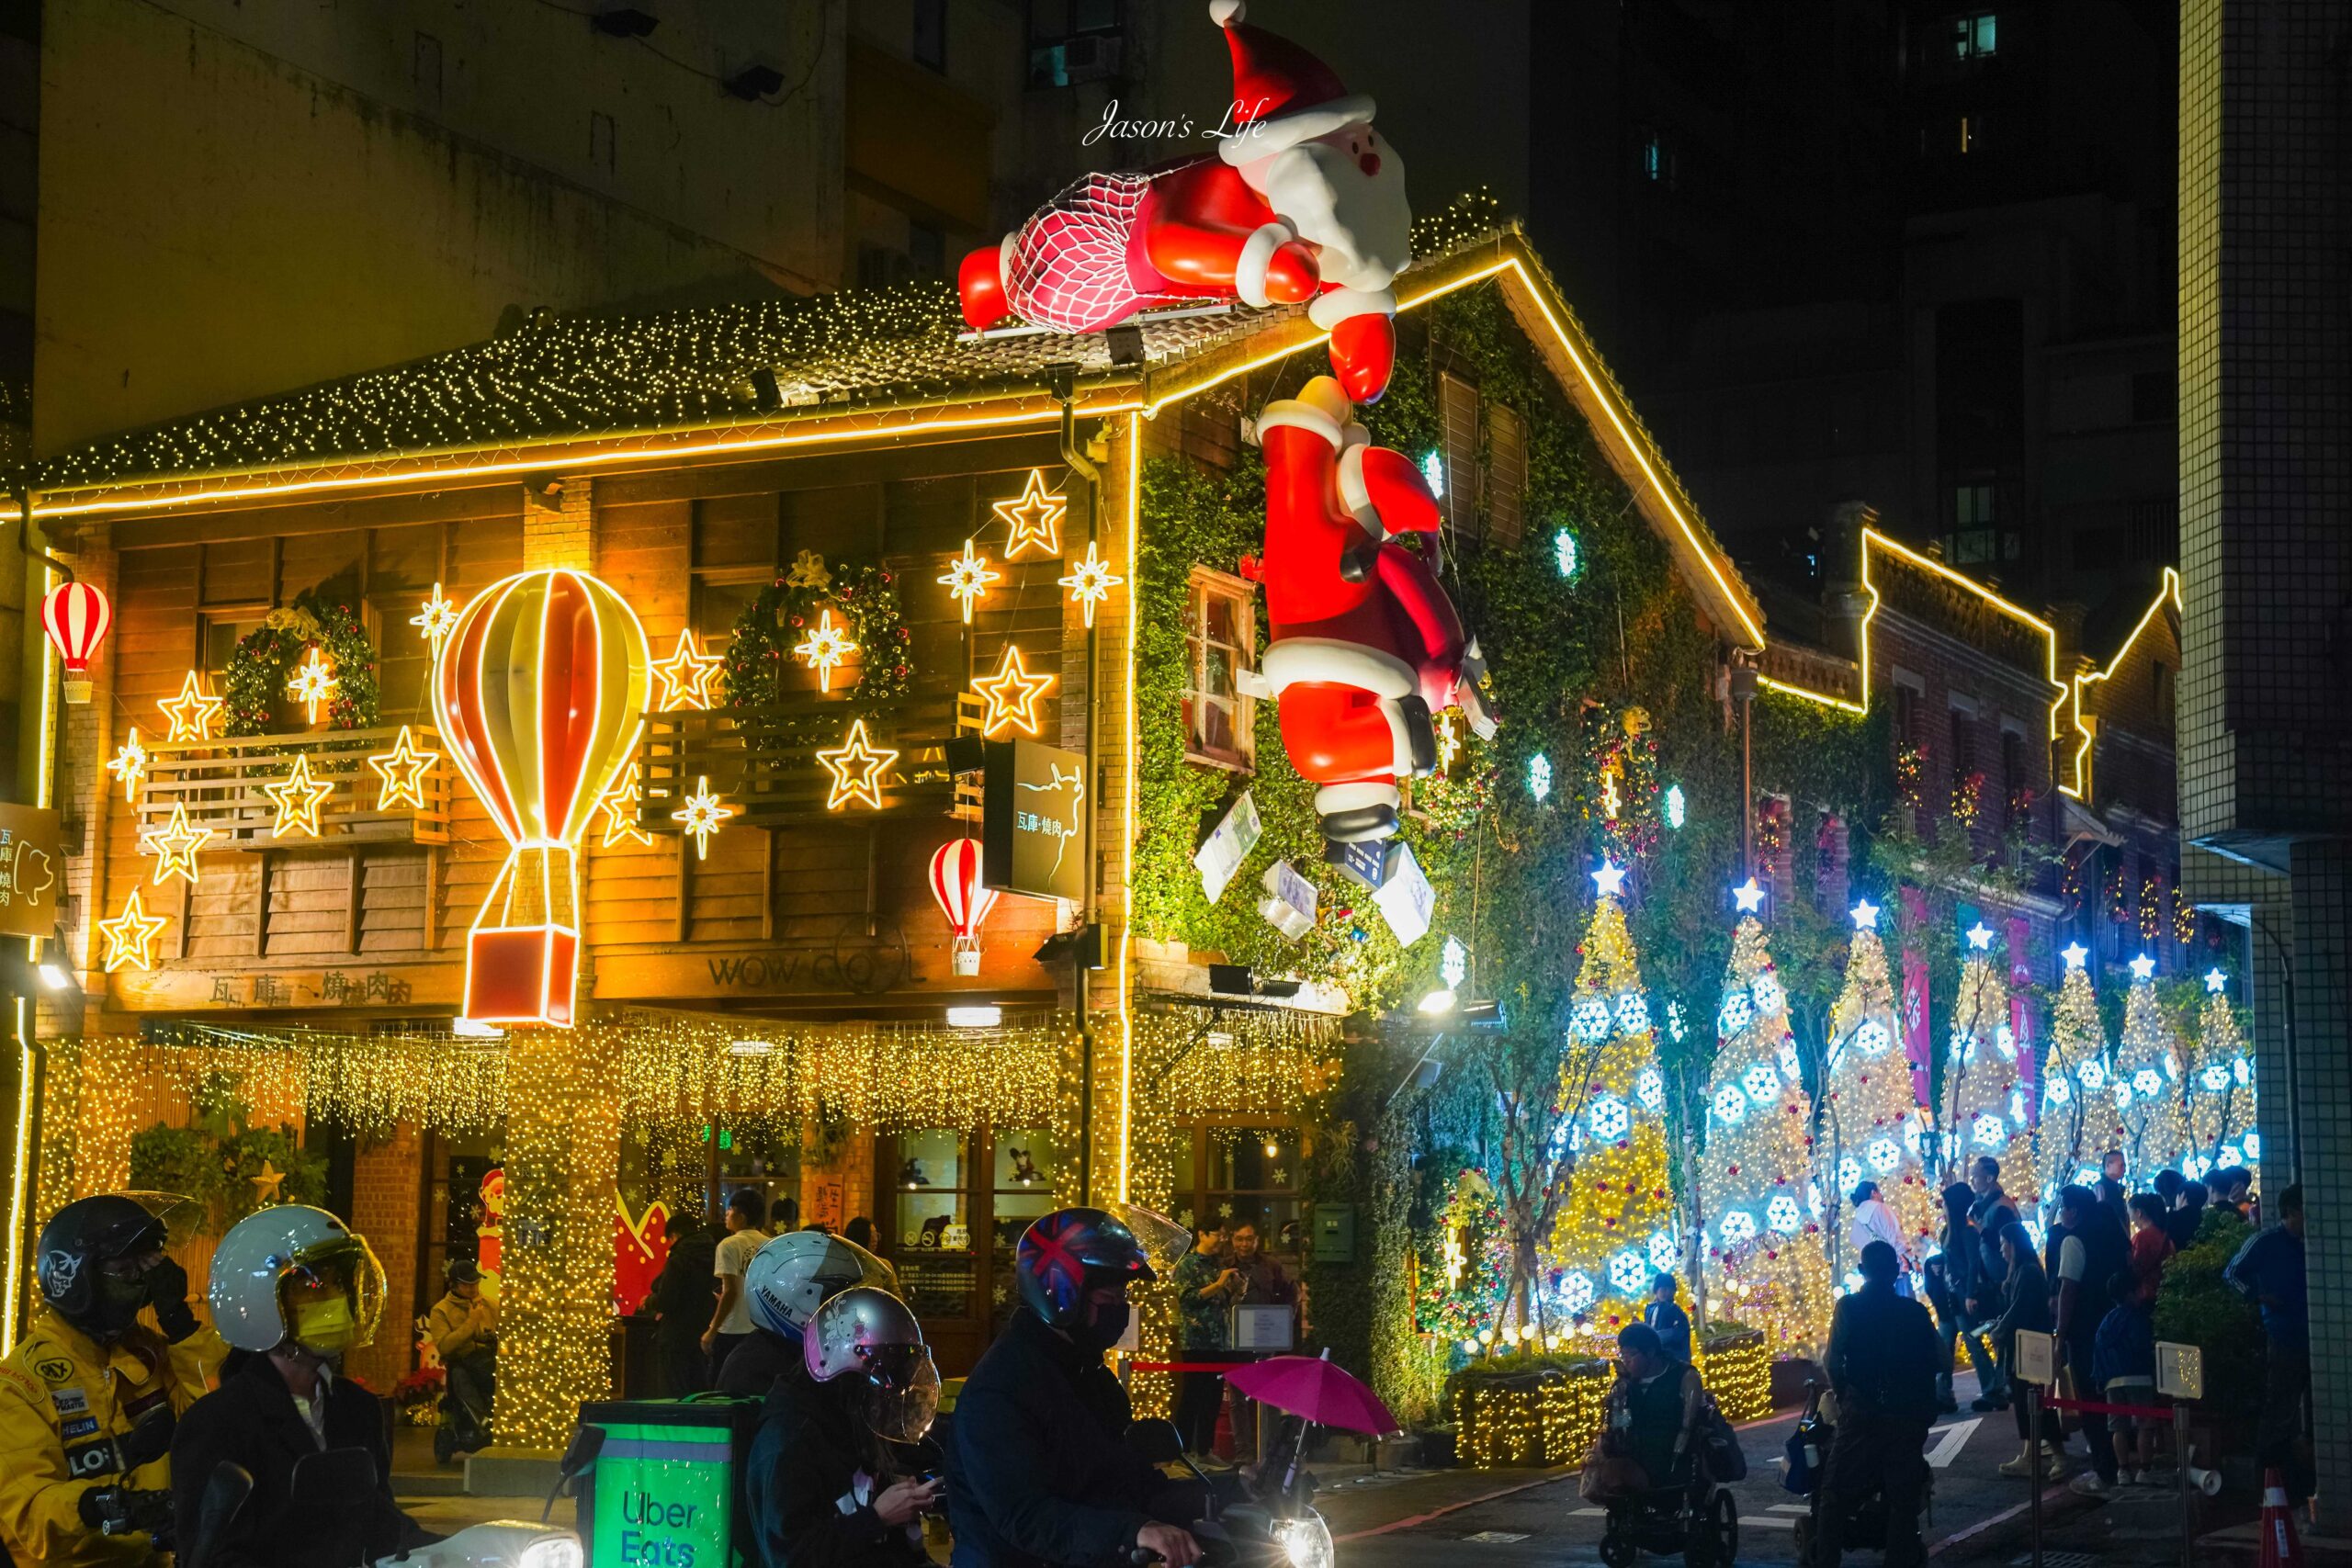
x: 1272, y: 1527
x: 329, y: 1478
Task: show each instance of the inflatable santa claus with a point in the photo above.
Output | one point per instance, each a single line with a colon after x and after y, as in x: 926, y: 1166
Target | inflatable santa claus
x: 1363, y: 645
x: 1302, y: 201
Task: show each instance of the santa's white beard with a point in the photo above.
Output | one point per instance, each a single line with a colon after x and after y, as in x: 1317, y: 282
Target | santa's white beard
x: 1361, y: 223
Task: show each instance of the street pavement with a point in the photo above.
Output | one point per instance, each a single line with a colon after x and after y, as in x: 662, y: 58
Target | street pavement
x: 1506, y: 1519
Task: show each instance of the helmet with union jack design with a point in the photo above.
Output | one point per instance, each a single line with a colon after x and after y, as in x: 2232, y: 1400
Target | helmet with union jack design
x: 1071, y: 1251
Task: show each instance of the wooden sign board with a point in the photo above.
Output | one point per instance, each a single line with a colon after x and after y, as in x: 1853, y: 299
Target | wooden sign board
x: 32, y: 868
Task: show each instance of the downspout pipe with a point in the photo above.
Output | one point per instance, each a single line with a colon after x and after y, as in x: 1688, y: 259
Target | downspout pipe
x: 1063, y: 378
x: 20, y: 485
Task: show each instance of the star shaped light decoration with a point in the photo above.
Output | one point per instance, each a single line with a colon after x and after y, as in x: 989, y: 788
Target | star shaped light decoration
x: 2144, y: 968
x: 2073, y: 953
x: 685, y: 676
x: 402, y: 768
x: 192, y: 713
x: 967, y: 579
x: 1609, y: 882
x: 1012, y: 696
x: 857, y: 765
x: 312, y: 684
x: 1980, y: 938
x: 129, y: 765
x: 1865, y: 915
x: 621, y: 806
x: 701, y: 816
x: 175, y: 846
x: 2216, y: 981
x: 297, y: 797
x: 436, y: 619
x: 1449, y: 741
x: 823, y: 649
x: 1748, y: 895
x: 1033, y: 518
x: 269, y: 1184
x: 130, y: 936
x: 1090, y: 581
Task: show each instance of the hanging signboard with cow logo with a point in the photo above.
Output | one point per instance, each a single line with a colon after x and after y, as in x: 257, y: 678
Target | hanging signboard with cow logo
x: 30, y: 863
x: 1032, y: 829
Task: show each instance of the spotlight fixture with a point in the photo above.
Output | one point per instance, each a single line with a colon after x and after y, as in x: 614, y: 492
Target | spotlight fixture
x: 754, y: 83
x: 624, y: 21
x: 1241, y: 980
x: 55, y: 976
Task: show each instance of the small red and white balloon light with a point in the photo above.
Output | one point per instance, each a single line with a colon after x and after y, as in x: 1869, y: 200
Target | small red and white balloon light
x: 76, y: 616
x: 956, y: 882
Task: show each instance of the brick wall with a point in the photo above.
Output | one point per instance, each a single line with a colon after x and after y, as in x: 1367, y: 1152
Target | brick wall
x: 559, y: 530
x: 384, y: 1209
x: 854, y: 1168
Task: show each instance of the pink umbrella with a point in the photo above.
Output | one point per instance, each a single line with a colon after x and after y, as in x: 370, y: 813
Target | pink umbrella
x: 1325, y: 1394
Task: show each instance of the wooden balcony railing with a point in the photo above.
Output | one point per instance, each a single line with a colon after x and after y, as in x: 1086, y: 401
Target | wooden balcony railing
x: 223, y: 782
x: 762, y: 761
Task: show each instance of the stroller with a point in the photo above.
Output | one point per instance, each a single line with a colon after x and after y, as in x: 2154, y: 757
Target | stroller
x: 1864, y: 1525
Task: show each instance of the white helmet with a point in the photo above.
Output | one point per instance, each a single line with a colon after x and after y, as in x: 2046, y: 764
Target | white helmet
x: 867, y: 1336
x: 795, y: 1274
x: 290, y: 1272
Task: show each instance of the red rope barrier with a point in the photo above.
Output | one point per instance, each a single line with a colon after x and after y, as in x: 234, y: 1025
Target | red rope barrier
x: 2160, y: 1413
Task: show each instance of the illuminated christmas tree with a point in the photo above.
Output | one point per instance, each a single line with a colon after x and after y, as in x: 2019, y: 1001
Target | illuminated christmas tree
x: 2221, y: 1087
x: 2074, y: 1082
x: 2149, y: 1128
x: 1982, y: 1101
x: 1869, y: 1118
x: 1617, y: 1223
x: 1765, y: 1258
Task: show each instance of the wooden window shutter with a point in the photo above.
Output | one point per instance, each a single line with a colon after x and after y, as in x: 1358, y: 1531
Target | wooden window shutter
x: 1457, y: 418
x: 1506, y: 475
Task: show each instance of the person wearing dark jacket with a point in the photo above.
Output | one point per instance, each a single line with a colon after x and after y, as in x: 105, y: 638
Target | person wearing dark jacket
x: 1041, y: 1472
x: 2089, y: 1251
x: 753, y: 1365
x: 1881, y: 1363
x: 2025, y: 1298
x: 1953, y: 1275
x: 2182, y: 1223
x: 295, y: 1290
x: 681, y: 1301
x: 827, y: 1481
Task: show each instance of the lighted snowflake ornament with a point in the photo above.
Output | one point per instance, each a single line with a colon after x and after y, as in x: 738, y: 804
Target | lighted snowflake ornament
x: 1589, y: 1020
x: 1665, y: 1252
x: 1634, y: 1012
x: 1737, y: 1227
x: 1989, y: 1129
x: 1576, y: 1290
x: 1609, y: 1117
x: 1883, y: 1155
x: 1762, y: 1084
x: 1738, y: 1013
x: 1849, y: 1172
x: 1873, y: 1038
x: 1628, y: 1270
x: 1730, y: 1105
x: 1649, y: 1088
x: 1770, y: 998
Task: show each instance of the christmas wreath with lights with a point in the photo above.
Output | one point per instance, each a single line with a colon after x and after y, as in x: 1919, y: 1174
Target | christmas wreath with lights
x: 867, y: 596
x: 1463, y: 1285
x: 266, y: 656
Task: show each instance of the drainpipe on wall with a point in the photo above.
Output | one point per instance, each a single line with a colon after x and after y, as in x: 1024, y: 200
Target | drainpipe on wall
x: 1064, y: 382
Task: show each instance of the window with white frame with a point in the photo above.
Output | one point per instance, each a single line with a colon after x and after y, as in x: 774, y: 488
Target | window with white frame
x: 1220, y: 642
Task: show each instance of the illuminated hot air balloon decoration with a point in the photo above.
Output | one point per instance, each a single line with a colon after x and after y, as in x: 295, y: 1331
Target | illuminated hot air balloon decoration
x: 956, y: 882
x: 76, y: 616
x: 539, y: 687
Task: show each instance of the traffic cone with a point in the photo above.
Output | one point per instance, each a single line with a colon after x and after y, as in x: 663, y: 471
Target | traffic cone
x: 2279, y: 1545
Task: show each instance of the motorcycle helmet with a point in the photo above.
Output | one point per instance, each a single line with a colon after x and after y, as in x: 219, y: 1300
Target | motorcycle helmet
x: 292, y: 1272
x: 789, y: 1278
x: 1068, y: 1252
x: 868, y: 1334
x: 82, y: 1239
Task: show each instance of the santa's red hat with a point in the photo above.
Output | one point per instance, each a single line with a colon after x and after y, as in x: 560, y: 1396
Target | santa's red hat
x: 1282, y: 95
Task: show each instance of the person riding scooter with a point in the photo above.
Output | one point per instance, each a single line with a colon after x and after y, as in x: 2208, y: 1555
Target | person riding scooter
x: 1042, y: 1473
x: 89, y: 1398
x: 296, y: 1289
x: 464, y: 1329
x: 828, y: 1480
x: 785, y: 1283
